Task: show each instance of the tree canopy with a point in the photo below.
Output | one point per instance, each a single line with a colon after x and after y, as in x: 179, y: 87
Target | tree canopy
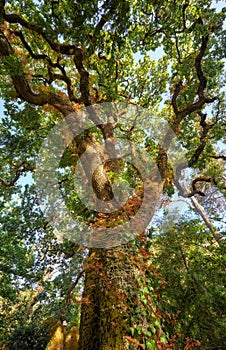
x: 132, y: 93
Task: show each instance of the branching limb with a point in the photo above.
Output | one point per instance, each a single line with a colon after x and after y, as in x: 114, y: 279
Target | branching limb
x: 51, y: 65
x: 176, y: 93
x: 84, y: 78
x: 20, y: 35
x: 201, y: 211
x: 205, y: 129
x: 218, y: 157
x: 23, y: 88
x: 66, y: 49
x: 194, y: 190
x: 19, y: 170
x: 198, y: 207
x: 202, y: 98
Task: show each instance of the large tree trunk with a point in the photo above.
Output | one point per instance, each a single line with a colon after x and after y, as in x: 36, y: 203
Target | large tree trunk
x: 109, y: 299
x: 116, y: 298
x: 102, y: 325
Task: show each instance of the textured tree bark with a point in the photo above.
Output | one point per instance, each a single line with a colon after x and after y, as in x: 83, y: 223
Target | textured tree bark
x: 110, y: 282
x: 112, y: 302
x: 199, y: 208
x: 111, y: 290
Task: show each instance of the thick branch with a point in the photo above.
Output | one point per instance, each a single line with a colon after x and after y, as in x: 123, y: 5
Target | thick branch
x: 205, y: 129
x: 162, y: 163
x: 202, y: 99
x: 84, y: 78
x: 103, y: 188
x: 200, y: 179
x: 198, y: 66
x: 183, y: 191
x: 176, y: 92
x: 32, y: 54
x: 23, y: 88
x: 194, y: 191
x: 66, y: 49
x: 219, y: 157
x: 194, y: 107
x: 52, y: 76
x: 199, y: 208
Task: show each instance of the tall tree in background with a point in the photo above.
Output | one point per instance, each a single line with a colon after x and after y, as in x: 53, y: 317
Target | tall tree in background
x: 60, y: 56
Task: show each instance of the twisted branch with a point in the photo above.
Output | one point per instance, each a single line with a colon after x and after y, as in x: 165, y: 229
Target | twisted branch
x: 23, y: 88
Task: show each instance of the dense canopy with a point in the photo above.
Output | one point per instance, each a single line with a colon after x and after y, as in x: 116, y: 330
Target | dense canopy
x: 132, y: 93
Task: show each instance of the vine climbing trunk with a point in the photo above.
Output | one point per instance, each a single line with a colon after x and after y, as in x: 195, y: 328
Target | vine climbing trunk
x: 112, y: 291
x: 108, y: 276
x: 117, y: 307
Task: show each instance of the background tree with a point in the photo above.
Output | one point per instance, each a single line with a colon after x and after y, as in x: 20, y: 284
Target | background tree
x: 57, y: 57
x: 192, y: 270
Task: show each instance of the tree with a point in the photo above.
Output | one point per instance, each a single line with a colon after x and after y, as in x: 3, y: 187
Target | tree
x: 60, y: 56
x: 190, y: 263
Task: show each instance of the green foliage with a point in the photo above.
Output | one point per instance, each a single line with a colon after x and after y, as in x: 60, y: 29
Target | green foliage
x: 32, y: 336
x: 181, y: 293
x: 193, y: 297
x: 10, y: 66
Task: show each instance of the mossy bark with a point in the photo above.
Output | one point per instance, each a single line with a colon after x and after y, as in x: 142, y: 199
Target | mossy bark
x: 110, y: 288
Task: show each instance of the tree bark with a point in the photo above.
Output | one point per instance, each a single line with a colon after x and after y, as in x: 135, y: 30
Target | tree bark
x: 110, y: 279
x: 101, y: 313
x: 200, y: 210
x: 109, y: 299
